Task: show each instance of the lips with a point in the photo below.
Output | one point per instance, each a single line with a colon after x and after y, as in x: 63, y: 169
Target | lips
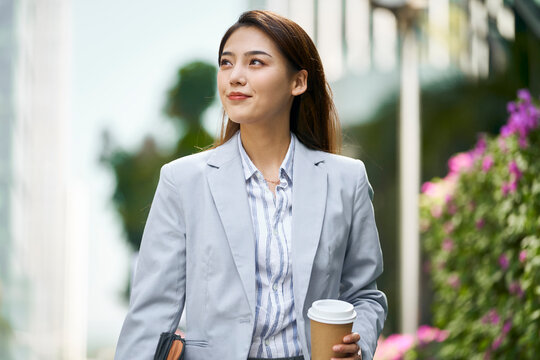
x: 238, y: 96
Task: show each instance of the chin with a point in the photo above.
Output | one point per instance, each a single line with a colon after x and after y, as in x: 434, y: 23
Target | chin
x: 242, y: 119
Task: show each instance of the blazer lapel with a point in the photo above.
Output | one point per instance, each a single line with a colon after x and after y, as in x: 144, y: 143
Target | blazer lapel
x: 309, y: 205
x: 228, y: 188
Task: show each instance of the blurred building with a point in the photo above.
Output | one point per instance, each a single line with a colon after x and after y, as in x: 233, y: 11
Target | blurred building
x: 359, y: 43
x: 43, y: 250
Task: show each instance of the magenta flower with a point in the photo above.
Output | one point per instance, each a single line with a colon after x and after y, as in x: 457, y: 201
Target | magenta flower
x: 480, y: 224
x: 512, y: 187
x: 503, y: 261
x: 487, y: 163
x: 515, y: 289
x: 514, y: 169
x: 524, y: 95
x: 461, y: 162
x: 491, y: 317
x: 507, y: 326
x: 497, y: 343
x: 523, y: 118
x: 480, y: 147
x: 522, y: 256
x: 505, y: 188
x: 523, y: 143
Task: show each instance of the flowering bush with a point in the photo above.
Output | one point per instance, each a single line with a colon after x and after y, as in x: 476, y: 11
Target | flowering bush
x: 481, y: 230
x: 407, y: 347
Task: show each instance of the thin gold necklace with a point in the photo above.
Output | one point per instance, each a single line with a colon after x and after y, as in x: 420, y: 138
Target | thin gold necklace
x: 275, y: 182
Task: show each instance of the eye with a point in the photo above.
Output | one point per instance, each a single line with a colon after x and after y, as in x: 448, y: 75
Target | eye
x: 256, y: 62
x: 224, y: 62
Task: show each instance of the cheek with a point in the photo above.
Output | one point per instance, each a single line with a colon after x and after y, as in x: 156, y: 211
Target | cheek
x: 221, y: 81
x: 221, y: 85
x: 274, y: 86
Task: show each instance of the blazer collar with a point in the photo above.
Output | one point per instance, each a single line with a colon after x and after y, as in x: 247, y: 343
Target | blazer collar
x: 228, y: 151
x: 227, y: 185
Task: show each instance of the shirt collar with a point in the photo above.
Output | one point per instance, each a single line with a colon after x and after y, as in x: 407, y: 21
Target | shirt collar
x: 286, y: 165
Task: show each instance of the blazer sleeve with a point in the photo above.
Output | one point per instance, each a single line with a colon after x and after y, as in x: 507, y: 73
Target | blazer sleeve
x: 158, y: 289
x: 363, y: 264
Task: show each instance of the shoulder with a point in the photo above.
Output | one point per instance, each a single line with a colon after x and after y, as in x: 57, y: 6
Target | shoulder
x: 187, y: 167
x: 349, y: 172
x: 342, y: 165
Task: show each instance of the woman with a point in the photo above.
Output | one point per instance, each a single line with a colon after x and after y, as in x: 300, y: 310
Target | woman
x: 247, y: 235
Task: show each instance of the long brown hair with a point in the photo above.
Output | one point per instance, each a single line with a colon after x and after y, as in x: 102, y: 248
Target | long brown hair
x: 313, y: 116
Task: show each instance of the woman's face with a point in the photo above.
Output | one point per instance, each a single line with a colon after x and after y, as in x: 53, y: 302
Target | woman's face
x: 255, y: 83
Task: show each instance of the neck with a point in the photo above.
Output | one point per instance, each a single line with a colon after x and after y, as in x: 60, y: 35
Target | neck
x: 266, y: 147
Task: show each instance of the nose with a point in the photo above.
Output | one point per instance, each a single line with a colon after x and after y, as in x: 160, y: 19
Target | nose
x: 238, y: 76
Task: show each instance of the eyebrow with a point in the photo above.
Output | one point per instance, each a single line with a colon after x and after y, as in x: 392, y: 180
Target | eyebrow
x: 247, y: 53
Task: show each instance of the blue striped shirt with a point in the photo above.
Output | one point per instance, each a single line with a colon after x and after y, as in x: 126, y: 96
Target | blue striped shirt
x: 275, y: 333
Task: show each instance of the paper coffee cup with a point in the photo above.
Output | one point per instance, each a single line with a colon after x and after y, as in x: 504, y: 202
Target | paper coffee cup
x: 331, y: 320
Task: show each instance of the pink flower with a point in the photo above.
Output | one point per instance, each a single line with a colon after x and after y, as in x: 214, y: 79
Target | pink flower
x: 393, y: 347
x: 503, y: 261
x: 447, y: 244
x: 428, y: 188
x: 436, y: 211
x: 448, y: 227
x: 461, y: 162
x: 522, y: 256
x: 453, y: 281
x: 487, y: 163
x: 502, y: 144
x: 427, y: 334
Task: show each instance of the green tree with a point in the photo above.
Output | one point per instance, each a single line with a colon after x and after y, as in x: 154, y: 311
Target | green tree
x: 136, y: 173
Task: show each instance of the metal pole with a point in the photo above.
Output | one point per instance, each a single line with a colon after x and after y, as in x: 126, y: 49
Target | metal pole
x: 409, y: 179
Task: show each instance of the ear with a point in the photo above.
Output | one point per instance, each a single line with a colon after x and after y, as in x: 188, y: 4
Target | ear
x: 299, y: 84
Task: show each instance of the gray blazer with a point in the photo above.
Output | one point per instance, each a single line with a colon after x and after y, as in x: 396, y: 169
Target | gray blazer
x: 198, y: 254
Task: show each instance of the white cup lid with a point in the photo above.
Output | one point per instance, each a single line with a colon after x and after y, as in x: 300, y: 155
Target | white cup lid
x: 330, y: 311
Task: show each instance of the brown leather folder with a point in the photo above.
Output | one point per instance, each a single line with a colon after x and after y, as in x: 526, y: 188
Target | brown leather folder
x: 170, y: 347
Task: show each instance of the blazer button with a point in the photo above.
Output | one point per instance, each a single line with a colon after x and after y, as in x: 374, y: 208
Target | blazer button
x: 274, y: 287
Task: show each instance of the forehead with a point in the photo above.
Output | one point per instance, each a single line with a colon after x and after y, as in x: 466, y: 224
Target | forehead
x: 248, y: 38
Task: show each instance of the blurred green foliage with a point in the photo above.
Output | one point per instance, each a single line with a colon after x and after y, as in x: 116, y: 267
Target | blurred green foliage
x: 481, y: 229
x: 453, y: 112
x: 136, y: 172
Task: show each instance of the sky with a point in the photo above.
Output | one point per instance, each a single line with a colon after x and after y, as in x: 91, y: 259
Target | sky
x: 125, y: 57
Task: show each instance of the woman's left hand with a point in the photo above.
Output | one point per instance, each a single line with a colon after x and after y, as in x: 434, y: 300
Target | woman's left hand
x: 349, y: 347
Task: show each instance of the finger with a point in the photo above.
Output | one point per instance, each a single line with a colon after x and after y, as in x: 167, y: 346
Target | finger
x: 351, y: 338
x: 346, y: 348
